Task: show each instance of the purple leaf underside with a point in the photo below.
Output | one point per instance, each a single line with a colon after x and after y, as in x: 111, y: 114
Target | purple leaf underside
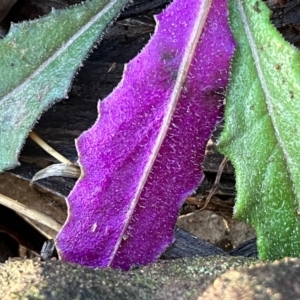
x: 143, y: 156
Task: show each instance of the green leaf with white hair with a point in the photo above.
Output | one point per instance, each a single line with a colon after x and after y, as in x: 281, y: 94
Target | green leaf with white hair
x: 262, y: 133
x: 38, y: 60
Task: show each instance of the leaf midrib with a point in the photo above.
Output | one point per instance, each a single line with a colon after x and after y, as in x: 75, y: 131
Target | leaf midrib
x: 180, y: 80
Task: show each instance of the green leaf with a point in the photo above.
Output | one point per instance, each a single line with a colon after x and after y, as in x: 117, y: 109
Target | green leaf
x: 38, y: 60
x: 261, y: 135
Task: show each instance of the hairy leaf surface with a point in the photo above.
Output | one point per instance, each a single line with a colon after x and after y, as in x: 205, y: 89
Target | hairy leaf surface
x: 261, y: 135
x: 143, y: 156
x: 37, y: 63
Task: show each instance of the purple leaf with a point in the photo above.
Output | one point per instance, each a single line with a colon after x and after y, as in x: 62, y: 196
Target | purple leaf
x: 143, y: 156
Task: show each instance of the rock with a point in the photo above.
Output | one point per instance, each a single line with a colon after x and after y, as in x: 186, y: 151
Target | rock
x: 277, y: 280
